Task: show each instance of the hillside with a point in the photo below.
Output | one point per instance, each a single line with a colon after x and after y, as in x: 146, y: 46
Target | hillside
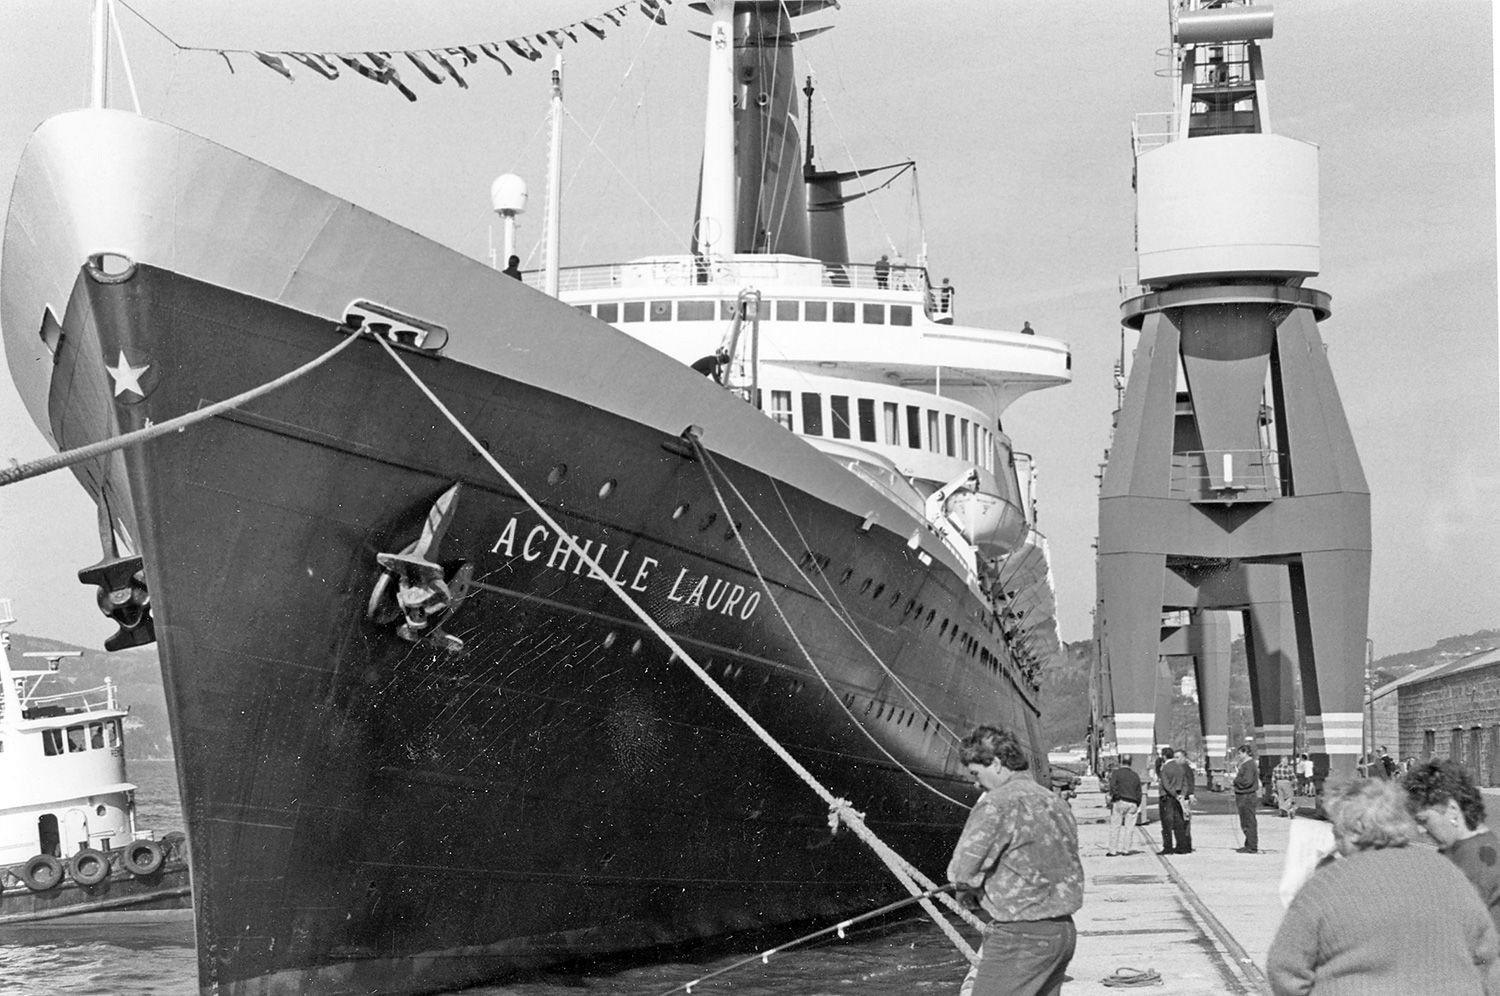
x: 1395, y: 666
x: 137, y: 679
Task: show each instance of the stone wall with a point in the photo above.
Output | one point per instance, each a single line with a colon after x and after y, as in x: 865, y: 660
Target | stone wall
x: 1456, y: 717
x: 1388, y: 725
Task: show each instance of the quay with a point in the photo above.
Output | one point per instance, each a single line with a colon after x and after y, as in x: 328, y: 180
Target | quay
x: 1204, y: 921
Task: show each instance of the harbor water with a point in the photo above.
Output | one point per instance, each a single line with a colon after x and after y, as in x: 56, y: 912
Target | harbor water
x: 892, y: 959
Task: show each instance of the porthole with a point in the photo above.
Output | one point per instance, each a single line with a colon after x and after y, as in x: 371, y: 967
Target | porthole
x: 911, y: 605
x: 879, y: 590
x: 680, y: 510
x: 708, y: 521
x: 931, y: 615
x: 734, y: 527
x: 866, y: 586
x: 557, y: 473
x: 895, y: 599
x: 607, y: 488
x: 943, y: 632
x: 844, y: 577
x: 609, y: 640
x: 635, y: 647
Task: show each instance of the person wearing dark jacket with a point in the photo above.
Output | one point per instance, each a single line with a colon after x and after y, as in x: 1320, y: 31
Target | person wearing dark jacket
x: 1447, y: 804
x: 1247, y: 797
x: 1123, y: 795
x: 1176, y: 795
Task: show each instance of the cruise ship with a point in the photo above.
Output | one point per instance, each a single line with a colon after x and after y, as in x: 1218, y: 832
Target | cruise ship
x: 480, y: 607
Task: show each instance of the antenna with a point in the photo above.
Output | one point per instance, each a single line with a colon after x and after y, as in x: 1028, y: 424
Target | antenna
x: 554, y: 182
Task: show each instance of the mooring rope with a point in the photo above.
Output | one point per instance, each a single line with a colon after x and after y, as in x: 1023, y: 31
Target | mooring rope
x: 907, y: 874
x: 68, y: 458
x: 841, y: 929
x: 840, y: 612
x: 705, y: 458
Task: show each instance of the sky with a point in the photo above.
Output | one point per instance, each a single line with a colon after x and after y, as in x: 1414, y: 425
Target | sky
x: 1018, y: 114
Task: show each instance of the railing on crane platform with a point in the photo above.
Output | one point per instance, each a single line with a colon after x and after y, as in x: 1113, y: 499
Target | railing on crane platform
x: 1226, y: 475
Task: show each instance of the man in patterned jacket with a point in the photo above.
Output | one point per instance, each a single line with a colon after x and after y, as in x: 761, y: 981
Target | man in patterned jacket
x: 1018, y: 857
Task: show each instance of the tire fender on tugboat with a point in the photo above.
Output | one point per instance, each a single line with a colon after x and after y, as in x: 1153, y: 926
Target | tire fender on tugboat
x: 89, y: 866
x: 42, y: 873
x: 142, y: 857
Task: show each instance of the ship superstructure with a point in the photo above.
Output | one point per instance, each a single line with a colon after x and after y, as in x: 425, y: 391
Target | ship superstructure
x: 423, y: 739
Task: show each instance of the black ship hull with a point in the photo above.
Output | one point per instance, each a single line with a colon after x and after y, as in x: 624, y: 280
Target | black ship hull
x: 366, y: 812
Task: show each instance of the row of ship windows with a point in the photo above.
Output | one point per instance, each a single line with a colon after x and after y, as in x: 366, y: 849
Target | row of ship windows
x: 936, y: 431
x: 914, y: 610
x: 840, y: 312
x: 85, y: 737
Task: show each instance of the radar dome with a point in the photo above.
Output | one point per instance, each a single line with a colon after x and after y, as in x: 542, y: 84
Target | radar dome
x: 508, y: 194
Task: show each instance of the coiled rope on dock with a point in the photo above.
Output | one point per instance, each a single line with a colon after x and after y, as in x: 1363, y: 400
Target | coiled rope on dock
x: 67, y: 458
x: 911, y: 877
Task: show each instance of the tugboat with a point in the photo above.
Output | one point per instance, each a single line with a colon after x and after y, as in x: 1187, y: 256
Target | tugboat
x: 463, y: 627
x: 69, y: 845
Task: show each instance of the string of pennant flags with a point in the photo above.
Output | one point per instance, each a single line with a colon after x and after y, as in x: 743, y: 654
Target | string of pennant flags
x: 438, y: 65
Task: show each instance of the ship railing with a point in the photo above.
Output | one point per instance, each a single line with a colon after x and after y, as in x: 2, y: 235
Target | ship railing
x: 773, y: 274
x: 76, y: 701
x: 1226, y: 475
x: 1151, y: 130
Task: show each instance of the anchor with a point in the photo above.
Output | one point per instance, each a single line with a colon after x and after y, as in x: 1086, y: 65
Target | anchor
x: 427, y: 594
x: 124, y: 598
x: 122, y: 592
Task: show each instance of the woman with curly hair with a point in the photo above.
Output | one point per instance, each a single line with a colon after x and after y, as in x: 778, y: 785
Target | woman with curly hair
x: 1384, y: 918
x: 1447, y: 805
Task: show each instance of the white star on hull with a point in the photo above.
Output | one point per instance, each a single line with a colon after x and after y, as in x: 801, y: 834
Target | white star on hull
x: 127, y: 377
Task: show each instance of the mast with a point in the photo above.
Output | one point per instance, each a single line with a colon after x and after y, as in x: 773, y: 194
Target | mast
x: 554, y: 183
x: 99, y: 56
x: 10, y: 698
x: 715, y: 229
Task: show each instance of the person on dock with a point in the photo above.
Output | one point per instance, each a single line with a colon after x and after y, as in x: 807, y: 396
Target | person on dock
x: 1448, y: 806
x: 1284, y: 778
x: 1385, y: 764
x: 1247, y: 797
x: 1177, y: 790
x: 1018, y: 858
x: 1383, y: 917
x: 1123, y: 795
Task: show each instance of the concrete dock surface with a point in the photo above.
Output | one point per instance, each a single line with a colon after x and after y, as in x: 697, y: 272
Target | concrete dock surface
x: 1204, y: 921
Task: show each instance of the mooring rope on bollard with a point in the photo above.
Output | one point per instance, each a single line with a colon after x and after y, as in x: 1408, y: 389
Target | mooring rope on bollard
x: 906, y: 873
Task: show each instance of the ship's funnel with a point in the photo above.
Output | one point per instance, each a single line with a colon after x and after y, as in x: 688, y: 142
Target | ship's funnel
x: 825, y: 217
